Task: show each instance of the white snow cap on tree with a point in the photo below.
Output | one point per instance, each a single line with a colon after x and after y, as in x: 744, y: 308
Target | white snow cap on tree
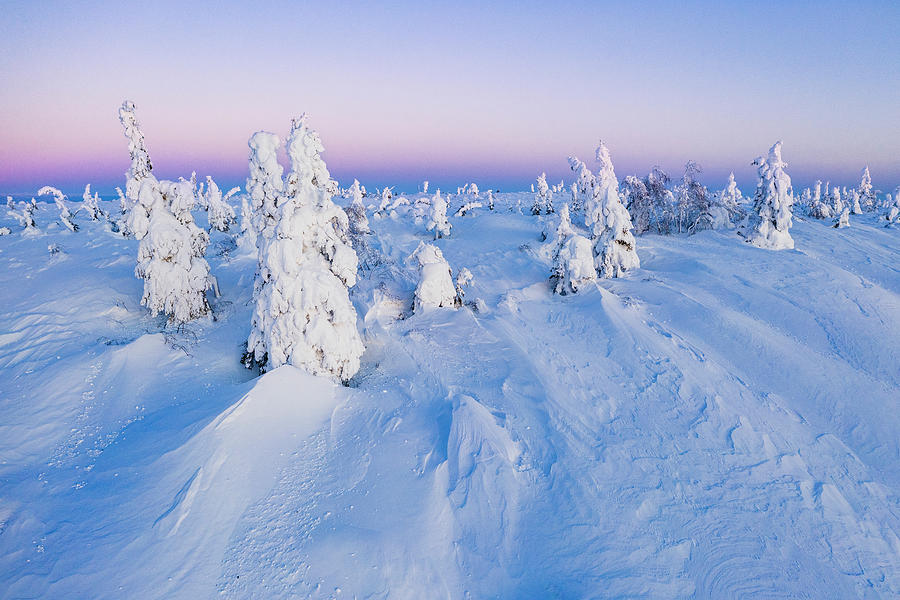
x: 356, y: 212
x: 435, y: 288
x: 221, y: 214
x: 302, y: 314
x: 609, y: 222
x: 437, y: 218
x: 573, y: 258
x: 772, y: 216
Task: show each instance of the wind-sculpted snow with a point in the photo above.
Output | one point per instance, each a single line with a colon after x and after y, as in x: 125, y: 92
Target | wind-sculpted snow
x: 721, y: 423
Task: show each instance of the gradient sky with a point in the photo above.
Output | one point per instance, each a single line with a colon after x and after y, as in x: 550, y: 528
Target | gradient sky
x: 451, y: 92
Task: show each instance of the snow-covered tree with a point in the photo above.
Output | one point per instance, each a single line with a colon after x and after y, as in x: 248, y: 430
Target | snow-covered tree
x: 219, y: 212
x: 171, y: 250
x: 463, y: 280
x: 543, y: 198
x: 60, y: 199
x: 356, y: 212
x: 26, y: 217
x: 573, y: 258
x: 265, y: 187
x: 141, y: 167
x: 425, y: 187
x: 609, y: 222
x: 490, y: 199
x: 892, y: 214
x: 435, y: 288
x: 695, y: 207
x: 466, y: 208
x: 302, y: 314
x: 865, y: 191
x: 837, y: 202
x: 437, y: 218
x: 10, y: 204
x: 844, y: 219
x: 91, y: 204
x: 819, y: 208
x: 853, y: 203
x: 772, y: 209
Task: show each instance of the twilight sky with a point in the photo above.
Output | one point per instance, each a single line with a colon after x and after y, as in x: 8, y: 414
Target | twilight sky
x: 451, y: 92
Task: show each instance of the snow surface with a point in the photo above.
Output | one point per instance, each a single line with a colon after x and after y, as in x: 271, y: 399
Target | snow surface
x: 722, y: 422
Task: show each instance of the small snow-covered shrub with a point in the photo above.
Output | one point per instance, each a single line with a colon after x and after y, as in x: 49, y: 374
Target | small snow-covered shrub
x: 356, y: 212
x: 60, y: 199
x: 435, y: 288
x: 892, y: 214
x: 772, y: 210
x: 437, y: 218
x: 573, y: 258
x: 844, y: 219
x: 467, y: 208
x: 5, y: 231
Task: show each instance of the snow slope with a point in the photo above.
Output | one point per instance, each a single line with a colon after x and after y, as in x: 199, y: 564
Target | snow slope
x: 721, y: 423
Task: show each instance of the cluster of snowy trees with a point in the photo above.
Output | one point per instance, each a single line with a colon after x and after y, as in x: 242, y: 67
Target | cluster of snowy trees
x: 308, y: 250
x: 305, y: 261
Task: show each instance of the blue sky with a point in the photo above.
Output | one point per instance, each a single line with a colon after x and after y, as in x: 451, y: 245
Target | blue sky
x: 408, y: 91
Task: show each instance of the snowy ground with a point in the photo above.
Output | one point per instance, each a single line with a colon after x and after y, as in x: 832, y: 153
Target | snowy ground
x: 723, y: 423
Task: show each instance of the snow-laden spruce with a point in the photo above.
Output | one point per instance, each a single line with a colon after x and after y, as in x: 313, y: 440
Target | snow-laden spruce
x: 219, y: 212
x: 609, y: 222
x: 573, y: 258
x: 892, y: 214
x: 865, y: 191
x: 356, y: 212
x: 91, y: 204
x: 437, y: 217
x: 302, y: 312
x: 65, y: 216
x: 435, y: 288
x: 171, y: 249
x: 772, y: 217
x: 265, y: 187
x: 843, y: 220
x: 140, y: 167
x: 543, y: 198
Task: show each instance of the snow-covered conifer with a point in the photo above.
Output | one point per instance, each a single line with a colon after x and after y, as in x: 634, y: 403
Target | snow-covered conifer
x: 772, y: 216
x: 837, y: 202
x: 609, y: 222
x: 435, y: 288
x: 573, y: 257
x: 356, y: 212
x: 490, y: 198
x: 437, y: 219
x: 892, y: 214
x: 466, y: 208
x: 463, y: 279
x: 844, y: 219
x: 265, y: 187
x: 219, y: 212
x: 543, y: 198
x: 60, y: 199
x: 10, y: 204
x: 819, y: 208
x: 853, y: 202
x: 302, y: 314
x: 866, y: 193
x: 425, y: 187
x: 141, y: 166
x: 91, y: 204
x: 170, y: 254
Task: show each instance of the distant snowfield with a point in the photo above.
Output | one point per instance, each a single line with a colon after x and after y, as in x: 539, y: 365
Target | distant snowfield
x: 722, y: 423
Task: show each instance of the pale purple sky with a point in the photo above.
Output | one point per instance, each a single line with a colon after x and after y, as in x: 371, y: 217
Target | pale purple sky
x: 451, y: 92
